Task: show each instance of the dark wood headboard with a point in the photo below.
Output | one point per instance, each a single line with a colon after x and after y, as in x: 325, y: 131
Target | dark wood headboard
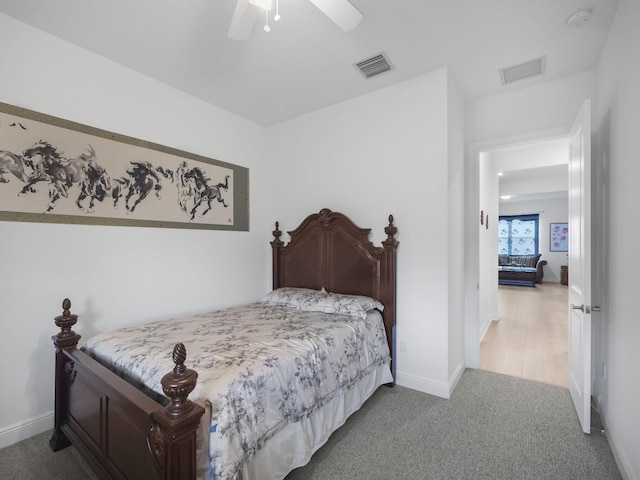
x: 328, y: 250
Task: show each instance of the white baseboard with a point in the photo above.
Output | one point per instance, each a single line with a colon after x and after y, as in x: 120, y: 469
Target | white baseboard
x: 455, y: 377
x: 25, y: 429
x: 439, y: 389
x: 622, y: 460
x: 432, y: 387
x: 492, y: 317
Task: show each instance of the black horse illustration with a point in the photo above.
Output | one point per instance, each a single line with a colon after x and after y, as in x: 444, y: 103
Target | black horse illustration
x: 194, y: 190
x: 59, y: 172
x: 118, y: 188
x: 14, y: 164
x: 98, y: 185
x: 144, y: 180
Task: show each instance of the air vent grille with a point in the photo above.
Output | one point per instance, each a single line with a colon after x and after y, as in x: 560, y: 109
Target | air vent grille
x: 522, y: 71
x: 374, y: 66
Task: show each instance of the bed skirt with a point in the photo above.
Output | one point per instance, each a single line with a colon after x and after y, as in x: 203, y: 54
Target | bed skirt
x: 302, y: 439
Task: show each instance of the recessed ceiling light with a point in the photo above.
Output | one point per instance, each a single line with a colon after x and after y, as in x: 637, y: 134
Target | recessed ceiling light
x: 505, y: 197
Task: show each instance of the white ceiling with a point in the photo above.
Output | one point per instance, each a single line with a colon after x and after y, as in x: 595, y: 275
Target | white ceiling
x: 532, y: 172
x: 533, y: 184
x: 306, y: 62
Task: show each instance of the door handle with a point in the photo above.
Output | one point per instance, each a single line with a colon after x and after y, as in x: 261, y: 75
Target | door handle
x: 584, y: 309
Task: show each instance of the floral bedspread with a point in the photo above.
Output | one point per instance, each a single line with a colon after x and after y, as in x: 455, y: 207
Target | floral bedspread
x: 259, y: 366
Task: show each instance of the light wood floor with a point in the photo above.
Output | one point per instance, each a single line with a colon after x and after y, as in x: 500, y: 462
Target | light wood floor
x: 531, y: 338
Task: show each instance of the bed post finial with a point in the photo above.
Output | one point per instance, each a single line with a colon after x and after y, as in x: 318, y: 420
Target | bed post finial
x: 179, y: 383
x: 390, y: 230
x: 388, y: 295
x: 66, y: 338
x: 276, y: 233
x: 179, y: 356
x: 276, y: 248
x: 172, y: 434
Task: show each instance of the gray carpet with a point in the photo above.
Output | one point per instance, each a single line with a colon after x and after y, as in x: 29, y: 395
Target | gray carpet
x: 494, y: 427
x: 32, y: 459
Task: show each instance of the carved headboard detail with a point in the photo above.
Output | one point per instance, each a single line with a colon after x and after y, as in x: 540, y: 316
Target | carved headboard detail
x: 328, y: 250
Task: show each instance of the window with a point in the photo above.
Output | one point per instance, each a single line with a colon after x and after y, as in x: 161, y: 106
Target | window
x: 518, y: 234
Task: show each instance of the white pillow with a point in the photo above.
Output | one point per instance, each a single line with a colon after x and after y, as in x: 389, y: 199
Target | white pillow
x: 351, y: 305
x: 293, y: 296
x: 320, y: 301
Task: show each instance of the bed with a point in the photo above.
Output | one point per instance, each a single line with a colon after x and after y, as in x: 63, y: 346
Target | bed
x: 151, y: 421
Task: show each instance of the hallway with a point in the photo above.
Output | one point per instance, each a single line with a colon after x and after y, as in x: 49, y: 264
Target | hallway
x: 531, y: 338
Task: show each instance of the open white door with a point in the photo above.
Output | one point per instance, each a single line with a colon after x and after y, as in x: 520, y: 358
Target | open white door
x: 580, y: 266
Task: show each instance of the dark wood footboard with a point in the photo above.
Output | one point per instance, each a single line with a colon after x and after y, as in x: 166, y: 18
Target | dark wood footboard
x: 121, y: 432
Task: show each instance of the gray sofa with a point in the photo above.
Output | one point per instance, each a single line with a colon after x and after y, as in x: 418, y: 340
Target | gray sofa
x: 524, y: 270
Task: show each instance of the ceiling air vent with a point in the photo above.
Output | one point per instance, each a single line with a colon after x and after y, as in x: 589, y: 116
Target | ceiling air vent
x: 373, y: 66
x: 524, y: 70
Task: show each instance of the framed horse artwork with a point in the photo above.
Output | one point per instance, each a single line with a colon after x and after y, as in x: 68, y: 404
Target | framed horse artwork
x: 58, y: 171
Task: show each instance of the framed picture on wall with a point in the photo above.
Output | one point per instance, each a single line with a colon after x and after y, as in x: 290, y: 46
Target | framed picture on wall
x: 559, y: 237
x: 58, y: 171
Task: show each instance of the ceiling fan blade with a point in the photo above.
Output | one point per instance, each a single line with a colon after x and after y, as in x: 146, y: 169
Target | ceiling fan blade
x: 342, y: 12
x: 244, y: 18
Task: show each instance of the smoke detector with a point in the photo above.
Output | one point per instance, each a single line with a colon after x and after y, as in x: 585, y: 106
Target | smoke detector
x: 579, y: 19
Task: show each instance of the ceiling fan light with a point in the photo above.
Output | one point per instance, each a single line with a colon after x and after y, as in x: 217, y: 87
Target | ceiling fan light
x: 342, y: 12
x: 267, y: 28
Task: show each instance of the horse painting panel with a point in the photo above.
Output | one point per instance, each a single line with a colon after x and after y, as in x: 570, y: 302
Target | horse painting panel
x: 144, y: 180
x: 15, y: 165
x: 194, y: 189
x: 58, y: 171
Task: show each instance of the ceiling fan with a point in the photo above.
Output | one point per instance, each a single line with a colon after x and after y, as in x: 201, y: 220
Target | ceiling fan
x: 342, y: 12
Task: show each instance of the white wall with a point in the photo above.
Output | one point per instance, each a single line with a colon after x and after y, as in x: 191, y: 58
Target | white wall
x: 114, y: 276
x: 379, y: 154
x: 528, y: 113
x: 488, y: 243
x: 456, y: 231
x: 617, y: 276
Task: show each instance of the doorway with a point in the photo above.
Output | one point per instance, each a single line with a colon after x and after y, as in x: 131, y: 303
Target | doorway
x: 537, y: 169
x: 479, y: 280
x: 526, y: 334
